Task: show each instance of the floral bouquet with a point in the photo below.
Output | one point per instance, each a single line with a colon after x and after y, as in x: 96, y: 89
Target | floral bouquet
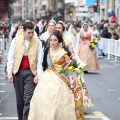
x: 93, y: 43
x: 72, y: 66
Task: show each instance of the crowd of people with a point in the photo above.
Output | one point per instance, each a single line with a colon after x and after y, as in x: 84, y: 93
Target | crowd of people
x: 37, y: 53
x: 4, y: 33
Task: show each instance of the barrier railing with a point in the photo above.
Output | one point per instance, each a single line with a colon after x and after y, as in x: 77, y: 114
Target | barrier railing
x: 111, y: 47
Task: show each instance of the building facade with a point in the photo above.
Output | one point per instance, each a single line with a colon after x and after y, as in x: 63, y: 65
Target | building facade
x: 5, y: 12
x: 3, y: 9
x: 75, y: 10
x: 106, y: 5
x: 52, y: 9
x: 31, y: 9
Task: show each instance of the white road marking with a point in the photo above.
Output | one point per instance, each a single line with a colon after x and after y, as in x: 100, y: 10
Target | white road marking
x: 0, y: 101
x: 100, y: 115
x: 105, y: 118
x: 2, y: 78
x: 2, y: 91
x: 8, y: 118
x: 2, y: 83
x: 91, y: 116
x: 111, y: 90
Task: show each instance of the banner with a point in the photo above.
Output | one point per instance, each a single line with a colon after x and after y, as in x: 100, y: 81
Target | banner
x: 90, y: 3
x: 102, y: 1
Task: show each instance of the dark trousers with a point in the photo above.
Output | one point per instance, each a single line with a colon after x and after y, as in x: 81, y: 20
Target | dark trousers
x: 24, y: 87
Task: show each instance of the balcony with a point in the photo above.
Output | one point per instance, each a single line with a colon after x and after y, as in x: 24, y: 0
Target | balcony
x: 60, y: 5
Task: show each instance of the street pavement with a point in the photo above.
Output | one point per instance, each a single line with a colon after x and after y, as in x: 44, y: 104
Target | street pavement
x: 102, y: 85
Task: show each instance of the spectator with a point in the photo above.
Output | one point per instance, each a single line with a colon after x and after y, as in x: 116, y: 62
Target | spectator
x: 101, y: 27
x: 113, y: 19
x: 115, y: 36
x: 105, y: 33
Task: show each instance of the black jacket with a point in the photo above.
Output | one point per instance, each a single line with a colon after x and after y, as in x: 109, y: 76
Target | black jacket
x: 105, y: 33
x: 37, y: 30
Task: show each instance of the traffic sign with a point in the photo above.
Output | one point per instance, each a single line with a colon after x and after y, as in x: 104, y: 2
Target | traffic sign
x: 81, y: 14
x: 102, y: 1
x: 91, y: 9
x: 82, y: 9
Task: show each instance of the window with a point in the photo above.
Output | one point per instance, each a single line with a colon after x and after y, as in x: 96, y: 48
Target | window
x: 62, y: 1
x: 44, y: 7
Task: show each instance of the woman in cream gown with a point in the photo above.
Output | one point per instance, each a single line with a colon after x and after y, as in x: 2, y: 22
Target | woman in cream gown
x: 54, y: 98
x: 87, y: 55
x: 69, y: 44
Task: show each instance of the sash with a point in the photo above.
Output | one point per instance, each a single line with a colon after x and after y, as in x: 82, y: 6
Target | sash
x: 77, y: 90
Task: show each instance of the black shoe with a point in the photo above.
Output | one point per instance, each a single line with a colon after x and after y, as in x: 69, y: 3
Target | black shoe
x: 103, y: 54
x: 85, y: 71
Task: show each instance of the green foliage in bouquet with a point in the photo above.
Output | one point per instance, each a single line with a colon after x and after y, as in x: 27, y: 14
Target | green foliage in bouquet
x: 93, y: 43
x: 71, y: 66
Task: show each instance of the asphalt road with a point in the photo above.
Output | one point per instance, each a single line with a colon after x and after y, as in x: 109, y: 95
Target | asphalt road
x: 104, y: 89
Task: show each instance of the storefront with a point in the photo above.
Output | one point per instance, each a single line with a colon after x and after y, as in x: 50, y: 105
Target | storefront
x: 3, y: 9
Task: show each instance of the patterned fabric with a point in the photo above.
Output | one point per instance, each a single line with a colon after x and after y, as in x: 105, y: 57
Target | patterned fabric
x: 32, y: 53
x: 53, y: 99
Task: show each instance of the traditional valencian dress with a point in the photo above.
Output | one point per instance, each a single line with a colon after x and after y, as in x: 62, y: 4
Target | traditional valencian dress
x: 54, y: 98
x: 68, y: 43
x: 87, y: 55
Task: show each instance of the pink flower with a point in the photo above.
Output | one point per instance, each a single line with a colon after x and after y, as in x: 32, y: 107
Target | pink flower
x: 65, y: 68
x: 64, y: 64
x: 69, y: 61
x: 71, y: 55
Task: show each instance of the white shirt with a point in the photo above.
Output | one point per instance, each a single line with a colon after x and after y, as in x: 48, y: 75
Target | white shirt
x: 40, y: 25
x: 11, y: 56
